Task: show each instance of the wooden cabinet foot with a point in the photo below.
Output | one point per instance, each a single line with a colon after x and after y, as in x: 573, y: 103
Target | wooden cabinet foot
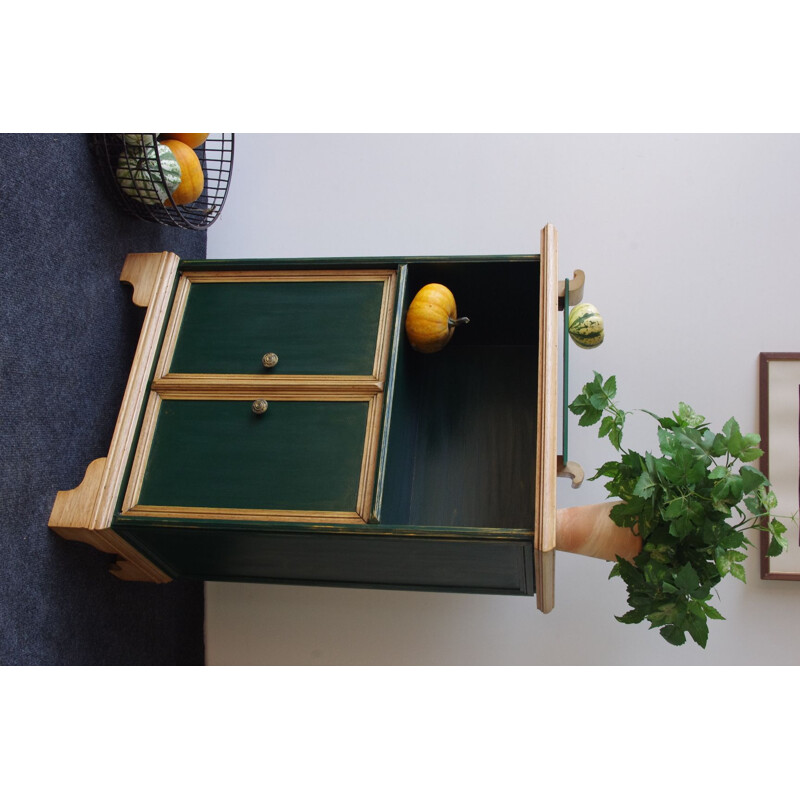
x: 78, y: 515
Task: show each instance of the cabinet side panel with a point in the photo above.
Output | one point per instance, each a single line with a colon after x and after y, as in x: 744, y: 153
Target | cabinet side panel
x: 390, y: 562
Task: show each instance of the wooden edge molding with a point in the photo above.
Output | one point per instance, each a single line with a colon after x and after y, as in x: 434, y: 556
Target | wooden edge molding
x: 85, y: 513
x: 547, y: 422
x: 283, y: 276
x: 294, y: 387
x: 245, y: 514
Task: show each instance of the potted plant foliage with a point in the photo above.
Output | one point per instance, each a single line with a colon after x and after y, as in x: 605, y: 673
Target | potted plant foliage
x: 680, y: 519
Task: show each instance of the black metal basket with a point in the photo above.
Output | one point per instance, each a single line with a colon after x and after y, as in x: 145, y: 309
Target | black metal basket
x: 138, y: 179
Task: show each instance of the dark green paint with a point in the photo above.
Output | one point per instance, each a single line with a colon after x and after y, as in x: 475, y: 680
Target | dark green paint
x: 461, y: 447
x: 324, y: 328
x: 217, y: 453
x: 455, y: 472
x: 387, y: 562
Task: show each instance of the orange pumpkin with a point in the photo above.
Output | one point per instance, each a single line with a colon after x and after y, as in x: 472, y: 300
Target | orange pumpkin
x: 432, y: 319
x: 192, y: 139
x: 192, y: 178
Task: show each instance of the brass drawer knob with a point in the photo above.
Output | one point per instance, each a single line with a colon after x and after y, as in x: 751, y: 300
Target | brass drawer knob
x: 269, y: 360
x: 260, y: 406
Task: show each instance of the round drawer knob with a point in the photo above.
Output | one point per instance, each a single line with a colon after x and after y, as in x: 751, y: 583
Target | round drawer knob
x: 269, y: 360
x: 260, y: 406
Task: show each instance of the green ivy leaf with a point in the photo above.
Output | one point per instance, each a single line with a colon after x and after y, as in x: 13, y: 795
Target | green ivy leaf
x: 712, y: 612
x: 591, y: 416
x: 698, y: 629
x: 632, y: 617
x: 645, y: 486
x: 673, y: 635
x: 750, y: 454
x: 737, y: 570
x: 735, y: 440
x: 687, y: 416
x: 751, y: 479
x: 686, y: 579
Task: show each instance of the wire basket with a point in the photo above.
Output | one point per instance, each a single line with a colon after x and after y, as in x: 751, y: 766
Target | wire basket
x: 142, y: 177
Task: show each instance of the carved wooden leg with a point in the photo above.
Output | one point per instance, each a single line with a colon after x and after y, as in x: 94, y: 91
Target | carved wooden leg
x: 85, y: 513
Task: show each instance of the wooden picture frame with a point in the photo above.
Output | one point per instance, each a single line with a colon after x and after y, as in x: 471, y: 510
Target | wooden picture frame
x: 779, y: 426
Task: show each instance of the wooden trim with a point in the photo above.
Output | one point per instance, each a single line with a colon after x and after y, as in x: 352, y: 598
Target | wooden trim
x: 85, y: 513
x: 396, y: 330
x: 136, y: 478
x: 369, y: 461
x: 232, y: 387
x: 385, y: 327
x: 547, y: 421
x: 576, y: 284
x: 288, y: 275
x: 173, y: 327
x: 764, y: 359
x: 245, y: 514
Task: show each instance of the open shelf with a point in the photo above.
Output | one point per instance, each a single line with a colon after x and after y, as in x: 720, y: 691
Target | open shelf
x: 460, y: 428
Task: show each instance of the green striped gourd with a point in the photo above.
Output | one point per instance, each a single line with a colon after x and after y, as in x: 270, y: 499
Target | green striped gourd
x: 138, y: 139
x: 585, y: 326
x: 138, y: 174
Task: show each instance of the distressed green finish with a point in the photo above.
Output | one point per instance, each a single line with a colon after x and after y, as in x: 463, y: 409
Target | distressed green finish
x: 494, y: 563
x: 218, y: 453
x: 325, y: 328
x: 455, y: 482
x: 461, y: 444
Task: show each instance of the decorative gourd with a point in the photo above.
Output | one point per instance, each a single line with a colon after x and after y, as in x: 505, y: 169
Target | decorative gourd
x: 585, y: 326
x: 191, y: 139
x: 139, y: 139
x: 432, y: 318
x: 192, y: 178
x: 139, y: 176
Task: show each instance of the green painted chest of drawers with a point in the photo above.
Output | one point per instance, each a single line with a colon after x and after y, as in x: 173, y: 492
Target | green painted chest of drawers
x: 277, y: 426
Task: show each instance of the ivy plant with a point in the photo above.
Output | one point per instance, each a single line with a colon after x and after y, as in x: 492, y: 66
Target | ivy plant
x: 692, y: 505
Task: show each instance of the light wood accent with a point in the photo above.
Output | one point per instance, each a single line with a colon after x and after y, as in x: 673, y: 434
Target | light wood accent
x: 385, y: 327
x: 136, y: 477
x: 85, y: 513
x: 590, y: 531
x: 576, y: 284
x: 547, y: 421
x: 247, y: 514
x: 571, y: 469
x: 285, y: 387
x: 293, y: 275
x: 173, y: 327
x: 369, y: 462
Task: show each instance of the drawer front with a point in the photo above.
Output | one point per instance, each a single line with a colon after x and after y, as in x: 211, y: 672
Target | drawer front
x: 299, y: 460
x: 315, y: 324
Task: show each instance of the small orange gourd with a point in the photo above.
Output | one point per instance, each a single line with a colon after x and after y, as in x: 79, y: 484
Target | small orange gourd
x: 192, y: 178
x: 191, y: 139
x: 432, y: 318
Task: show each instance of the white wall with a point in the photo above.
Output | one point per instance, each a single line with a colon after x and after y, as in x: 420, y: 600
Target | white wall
x: 691, y: 247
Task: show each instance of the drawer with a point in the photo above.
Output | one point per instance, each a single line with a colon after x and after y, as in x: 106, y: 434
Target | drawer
x: 317, y: 324
x: 217, y: 459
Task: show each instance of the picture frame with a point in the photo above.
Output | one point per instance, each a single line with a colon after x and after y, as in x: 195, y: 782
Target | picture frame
x: 779, y: 427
